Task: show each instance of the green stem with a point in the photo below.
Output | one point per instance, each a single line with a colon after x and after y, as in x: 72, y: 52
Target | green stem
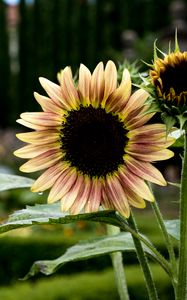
x: 163, y: 262
x: 151, y: 289
x: 117, y: 262
x: 182, y: 276
x: 168, y: 241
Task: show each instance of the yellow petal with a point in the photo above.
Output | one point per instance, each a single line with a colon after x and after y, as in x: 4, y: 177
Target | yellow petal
x: 82, y: 197
x: 69, y: 198
x: 154, y: 156
x: 145, y: 170
x: 110, y: 77
x: 39, y: 137
x: 46, y: 119
x: 47, y: 104
x: 94, y: 200
x: 63, y: 185
x: 31, y: 125
x: 31, y: 151
x: 55, y: 93
x: 84, y: 83
x: 97, y: 85
x: 135, y: 102
x: 138, y: 121
x: 151, y: 131
x: 134, y: 199
x: 69, y: 91
x: 115, y: 191
x: 49, y: 177
x: 118, y: 99
x: 135, y: 183
x: 42, y: 161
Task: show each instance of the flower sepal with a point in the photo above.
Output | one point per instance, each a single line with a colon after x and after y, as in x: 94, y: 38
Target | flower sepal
x: 169, y: 121
x: 182, y: 119
x: 133, y: 69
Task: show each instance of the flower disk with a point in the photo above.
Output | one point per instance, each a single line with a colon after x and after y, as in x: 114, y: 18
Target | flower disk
x: 90, y: 144
x: 93, y: 142
x: 169, y: 78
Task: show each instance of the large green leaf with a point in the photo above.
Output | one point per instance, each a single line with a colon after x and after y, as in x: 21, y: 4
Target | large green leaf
x: 173, y: 228
x: 51, y: 214
x: 86, y: 250
x: 45, y: 214
x: 8, y: 181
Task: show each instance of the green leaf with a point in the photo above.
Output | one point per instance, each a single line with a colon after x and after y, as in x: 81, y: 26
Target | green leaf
x: 85, y: 250
x: 8, y: 182
x: 46, y: 214
x: 51, y: 214
x: 173, y: 228
x: 177, y: 48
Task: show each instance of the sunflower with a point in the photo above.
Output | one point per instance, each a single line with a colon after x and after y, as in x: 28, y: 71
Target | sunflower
x: 169, y: 78
x: 169, y: 85
x: 93, y: 142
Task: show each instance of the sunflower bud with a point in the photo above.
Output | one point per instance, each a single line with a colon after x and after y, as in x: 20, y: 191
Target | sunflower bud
x: 167, y: 77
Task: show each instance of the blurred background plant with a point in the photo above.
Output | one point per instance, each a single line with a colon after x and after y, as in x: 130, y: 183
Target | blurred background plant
x: 38, y: 38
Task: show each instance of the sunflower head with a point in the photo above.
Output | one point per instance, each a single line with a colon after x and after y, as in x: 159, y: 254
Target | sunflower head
x: 169, y: 84
x: 92, y: 142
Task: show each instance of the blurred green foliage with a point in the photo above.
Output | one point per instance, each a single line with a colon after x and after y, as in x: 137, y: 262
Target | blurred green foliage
x: 53, y: 34
x: 4, y: 67
x: 88, y: 286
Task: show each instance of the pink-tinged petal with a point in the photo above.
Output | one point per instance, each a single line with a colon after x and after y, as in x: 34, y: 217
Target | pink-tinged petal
x: 94, y: 200
x: 97, y: 85
x: 31, y: 125
x: 144, y: 170
x: 31, y: 151
x: 69, y: 198
x: 134, y: 199
x: 106, y: 201
x: 138, y: 121
x: 47, y: 104
x: 166, y: 142
x: 160, y: 140
x: 154, y: 156
x: 142, y: 148
x: 42, y: 161
x: 39, y: 137
x: 135, y: 183
x: 110, y: 77
x: 135, y: 102
x: 55, y: 93
x: 149, y: 130
x: 69, y: 91
x: 47, y: 119
x: 115, y: 191
x: 84, y: 83
x: 49, y: 177
x: 82, y: 198
x: 145, y: 138
x: 126, y: 82
x: 118, y: 99
x: 63, y: 185
x: 146, y: 146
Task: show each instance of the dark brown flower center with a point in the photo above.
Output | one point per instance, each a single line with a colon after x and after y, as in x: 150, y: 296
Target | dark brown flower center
x: 93, y: 141
x: 175, y: 76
